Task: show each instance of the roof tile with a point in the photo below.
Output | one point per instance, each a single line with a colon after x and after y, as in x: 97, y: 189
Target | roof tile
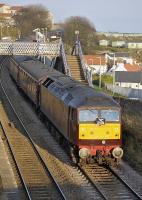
x: 95, y: 59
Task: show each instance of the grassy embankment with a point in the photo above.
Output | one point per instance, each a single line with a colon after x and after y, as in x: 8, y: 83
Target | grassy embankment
x: 132, y: 132
x: 131, y: 126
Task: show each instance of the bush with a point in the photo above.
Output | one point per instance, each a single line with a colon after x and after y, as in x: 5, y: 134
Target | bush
x: 104, y: 79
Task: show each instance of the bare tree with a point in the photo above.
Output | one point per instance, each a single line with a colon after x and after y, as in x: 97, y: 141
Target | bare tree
x: 86, y: 32
x: 31, y: 17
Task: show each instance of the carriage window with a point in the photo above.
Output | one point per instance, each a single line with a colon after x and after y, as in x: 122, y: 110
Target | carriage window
x: 110, y: 115
x: 88, y: 115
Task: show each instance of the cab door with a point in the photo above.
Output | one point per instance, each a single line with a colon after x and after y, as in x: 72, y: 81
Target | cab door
x: 73, y: 126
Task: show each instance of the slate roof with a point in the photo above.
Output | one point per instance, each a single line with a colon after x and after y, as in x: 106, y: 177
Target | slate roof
x: 119, y: 54
x: 128, y: 77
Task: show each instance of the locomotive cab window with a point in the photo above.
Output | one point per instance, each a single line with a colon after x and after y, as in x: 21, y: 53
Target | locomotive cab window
x: 110, y: 115
x: 88, y: 115
x: 91, y: 115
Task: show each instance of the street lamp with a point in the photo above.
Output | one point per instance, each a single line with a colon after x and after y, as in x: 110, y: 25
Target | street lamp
x: 100, y: 74
x: 113, y: 72
x: 77, y: 42
x: 77, y: 34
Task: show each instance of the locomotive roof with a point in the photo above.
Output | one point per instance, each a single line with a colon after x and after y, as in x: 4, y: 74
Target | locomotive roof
x: 71, y: 92
x: 75, y: 94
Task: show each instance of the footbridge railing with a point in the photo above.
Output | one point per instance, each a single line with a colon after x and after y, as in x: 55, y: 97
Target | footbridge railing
x: 30, y: 48
x: 64, y: 58
x: 77, y: 50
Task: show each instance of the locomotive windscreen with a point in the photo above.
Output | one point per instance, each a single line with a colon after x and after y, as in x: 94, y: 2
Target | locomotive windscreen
x: 91, y: 115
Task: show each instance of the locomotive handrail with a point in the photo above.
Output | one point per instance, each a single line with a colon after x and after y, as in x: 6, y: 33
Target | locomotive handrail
x: 63, y: 54
x: 78, y: 51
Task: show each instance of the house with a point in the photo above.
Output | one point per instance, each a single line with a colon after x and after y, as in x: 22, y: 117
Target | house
x: 104, y: 43
x: 124, y: 67
x: 4, y: 8
x: 118, y: 44
x: 97, y: 63
x: 114, y: 34
x: 128, y: 79
x: 121, y: 57
x: 134, y: 45
x: 6, y: 13
x: 128, y: 67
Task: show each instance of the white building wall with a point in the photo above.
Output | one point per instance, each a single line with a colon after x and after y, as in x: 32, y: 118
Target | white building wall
x: 129, y: 85
x: 97, y: 69
x: 139, y: 45
x: 5, y: 9
x: 133, y: 45
x: 104, y: 42
x: 120, y: 67
x: 118, y: 43
x: 128, y: 92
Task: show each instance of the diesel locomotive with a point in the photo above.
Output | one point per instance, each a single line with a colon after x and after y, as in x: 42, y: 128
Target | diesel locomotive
x: 88, y: 122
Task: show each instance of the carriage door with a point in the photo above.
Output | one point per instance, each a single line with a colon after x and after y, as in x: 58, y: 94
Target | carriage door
x: 72, y: 125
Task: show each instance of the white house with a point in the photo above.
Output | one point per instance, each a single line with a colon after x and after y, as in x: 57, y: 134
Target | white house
x: 120, y: 57
x: 118, y: 44
x: 6, y: 13
x: 128, y: 79
x: 134, y: 45
x: 97, y: 63
x: 4, y: 8
x: 124, y: 67
x: 104, y: 43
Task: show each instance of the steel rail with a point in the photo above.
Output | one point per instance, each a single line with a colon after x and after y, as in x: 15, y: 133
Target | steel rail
x: 34, y: 147
x: 92, y: 182
x: 15, y: 162
x: 100, y: 189
x: 126, y: 184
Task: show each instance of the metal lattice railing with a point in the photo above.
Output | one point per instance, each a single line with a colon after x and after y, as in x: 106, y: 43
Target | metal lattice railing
x: 29, y: 48
x: 63, y: 54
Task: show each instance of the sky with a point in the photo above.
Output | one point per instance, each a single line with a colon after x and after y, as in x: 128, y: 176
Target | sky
x: 107, y: 15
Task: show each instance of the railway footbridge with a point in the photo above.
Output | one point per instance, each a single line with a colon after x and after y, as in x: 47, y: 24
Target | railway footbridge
x: 72, y: 65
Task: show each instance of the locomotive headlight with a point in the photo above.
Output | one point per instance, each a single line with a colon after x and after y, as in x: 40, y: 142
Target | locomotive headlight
x: 117, y: 152
x: 84, y: 153
x: 103, y: 141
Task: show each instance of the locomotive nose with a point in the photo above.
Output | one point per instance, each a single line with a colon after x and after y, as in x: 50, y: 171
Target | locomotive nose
x: 117, y: 152
x: 84, y: 153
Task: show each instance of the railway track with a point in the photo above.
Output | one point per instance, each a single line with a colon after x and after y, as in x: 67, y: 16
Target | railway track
x: 109, y: 188
x: 37, y: 180
x: 73, y: 183
x: 109, y: 183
